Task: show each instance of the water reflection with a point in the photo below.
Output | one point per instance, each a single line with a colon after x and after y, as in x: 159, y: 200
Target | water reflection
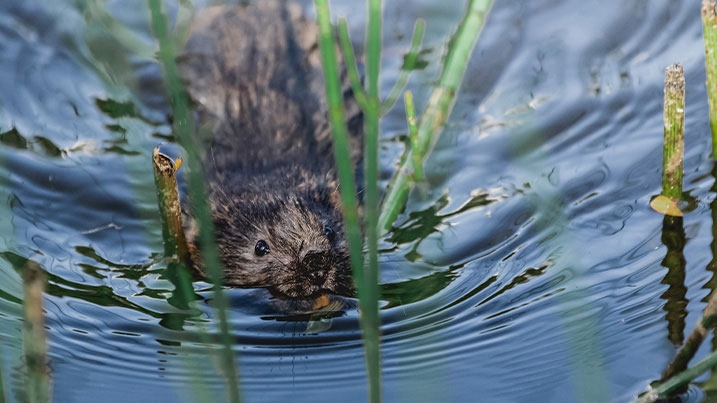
x: 673, y: 237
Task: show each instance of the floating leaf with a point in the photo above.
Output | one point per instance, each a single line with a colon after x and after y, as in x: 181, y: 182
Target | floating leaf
x: 665, y: 205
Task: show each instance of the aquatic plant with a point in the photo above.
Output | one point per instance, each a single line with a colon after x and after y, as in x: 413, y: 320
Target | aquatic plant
x: 183, y: 129
x: 416, y: 157
x: 677, y: 374
x: 673, y: 150
x: 423, y: 137
x: 709, y: 32
x: 438, y: 109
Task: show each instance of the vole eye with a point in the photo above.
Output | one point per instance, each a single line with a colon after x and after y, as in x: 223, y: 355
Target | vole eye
x: 261, y: 248
x: 329, y: 232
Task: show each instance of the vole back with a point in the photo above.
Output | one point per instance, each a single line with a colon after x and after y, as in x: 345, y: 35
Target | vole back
x: 255, y: 75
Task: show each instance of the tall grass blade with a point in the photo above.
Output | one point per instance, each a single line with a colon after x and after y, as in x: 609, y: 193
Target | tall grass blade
x: 372, y: 113
x: 342, y: 152
x: 408, y: 66
x: 37, y: 385
x: 709, y: 32
x: 413, y: 136
x: 438, y: 108
x: 350, y: 61
x: 366, y: 279
x: 183, y: 128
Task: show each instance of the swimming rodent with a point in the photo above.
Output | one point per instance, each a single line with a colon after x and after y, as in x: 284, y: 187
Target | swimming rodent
x: 255, y: 75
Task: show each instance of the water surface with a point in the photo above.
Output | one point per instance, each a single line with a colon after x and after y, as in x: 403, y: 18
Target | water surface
x: 528, y: 268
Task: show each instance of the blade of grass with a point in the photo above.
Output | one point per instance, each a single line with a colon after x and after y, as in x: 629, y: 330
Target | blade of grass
x: 183, y: 128
x: 342, y: 151
x: 365, y: 279
x: 709, y: 32
x: 413, y: 136
x: 438, y: 108
x: 372, y: 114
x: 408, y: 66
x: 185, y: 13
x: 350, y: 61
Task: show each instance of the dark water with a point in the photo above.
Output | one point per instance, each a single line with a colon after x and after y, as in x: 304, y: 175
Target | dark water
x: 529, y: 268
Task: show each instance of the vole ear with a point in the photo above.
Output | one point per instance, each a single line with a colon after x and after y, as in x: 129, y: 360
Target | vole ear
x: 330, y: 233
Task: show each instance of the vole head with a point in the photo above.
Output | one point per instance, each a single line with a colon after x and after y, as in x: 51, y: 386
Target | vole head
x: 293, y: 244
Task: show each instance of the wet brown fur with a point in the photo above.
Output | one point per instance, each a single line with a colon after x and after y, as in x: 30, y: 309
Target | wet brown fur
x: 255, y: 74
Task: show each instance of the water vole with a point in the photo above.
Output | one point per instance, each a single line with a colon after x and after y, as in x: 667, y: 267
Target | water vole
x: 255, y: 74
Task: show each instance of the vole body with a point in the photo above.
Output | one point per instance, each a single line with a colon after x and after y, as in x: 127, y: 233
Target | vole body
x: 254, y: 73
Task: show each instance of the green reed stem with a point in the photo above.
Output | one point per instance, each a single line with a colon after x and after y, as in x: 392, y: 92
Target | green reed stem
x: 679, y: 380
x: 366, y: 276
x: 409, y: 64
x: 413, y: 136
x: 674, y: 147
x: 350, y: 61
x: 709, y: 31
x: 183, y: 128
x: 37, y: 386
x: 342, y: 152
x: 372, y: 114
x: 438, y: 108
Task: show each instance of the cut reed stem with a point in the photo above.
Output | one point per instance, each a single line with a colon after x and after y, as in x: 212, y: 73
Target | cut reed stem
x: 183, y: 129
x: 438, y: 108
x: 37, y: 384
x: 709, y: 32
x: 170, y: 209
x: 674, y: 117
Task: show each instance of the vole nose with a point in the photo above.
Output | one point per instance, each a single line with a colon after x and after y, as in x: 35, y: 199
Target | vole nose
x: 314, y: 260
x: 315, y: 266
